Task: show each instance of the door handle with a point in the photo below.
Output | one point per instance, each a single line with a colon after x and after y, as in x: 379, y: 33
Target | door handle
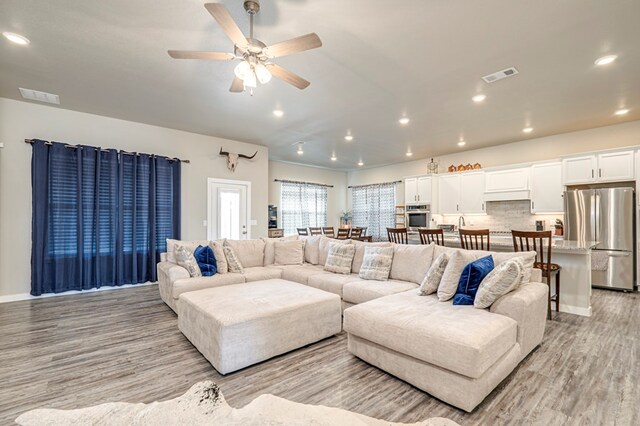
x: 457, y: 207
x: 592, y: 176
x: 482, y: 206
x: 244, y: 232
x: 533, y: 205
x: 599, y: 172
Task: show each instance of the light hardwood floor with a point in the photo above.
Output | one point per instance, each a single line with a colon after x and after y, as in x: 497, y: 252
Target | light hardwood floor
x: 124, y: 345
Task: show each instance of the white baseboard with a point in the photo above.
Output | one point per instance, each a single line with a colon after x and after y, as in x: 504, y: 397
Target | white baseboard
x: 576, y: 310
x: 27, y: 296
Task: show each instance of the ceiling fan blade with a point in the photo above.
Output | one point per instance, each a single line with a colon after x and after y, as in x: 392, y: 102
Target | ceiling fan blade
x: 229, y: 26
x: 288, y: 76
x: 295, y: 45
x: 237, y: 85
x: 212, y: 56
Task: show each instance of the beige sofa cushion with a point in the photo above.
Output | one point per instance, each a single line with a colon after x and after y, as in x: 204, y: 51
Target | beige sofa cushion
x: 259, y: 273
x: 249, y: 252
x: 359, y: 256
x: 312, y: 249
x: 218, y: 252
x: 333, y: 283
x: 191, y: 284
x: 411, y: 262
x: 270, y: 248
x: 449, y: 282
x: 360, y: 291
x: 457, y: 338
x: 301, y: 274
x: 323, y: 248
x: 191, y: 245
x: 289, y: 252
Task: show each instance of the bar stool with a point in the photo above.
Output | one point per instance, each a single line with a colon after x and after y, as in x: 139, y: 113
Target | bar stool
x: 428, y: 236
x: 536, y: 241
x: 328, y: 231
x: 397, y: 235
x: 303, y: 231
x: 343, y: 233
x: 473, y: 239
x: 356, y: 232
x: 315, y: 231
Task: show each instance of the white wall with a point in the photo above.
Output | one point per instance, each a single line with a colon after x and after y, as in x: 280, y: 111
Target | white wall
x: 22, y: 120
x: 336, y: 196
x: 538, y: 149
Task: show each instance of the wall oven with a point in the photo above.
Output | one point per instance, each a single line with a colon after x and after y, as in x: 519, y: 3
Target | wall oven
x: 418, y: 217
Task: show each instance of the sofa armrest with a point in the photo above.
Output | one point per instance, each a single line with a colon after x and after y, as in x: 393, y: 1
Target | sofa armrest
x: 171, y: 272
x: 528, y: 307
x: 536, y: 275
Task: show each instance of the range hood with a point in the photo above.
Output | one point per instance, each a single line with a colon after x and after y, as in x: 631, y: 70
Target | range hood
x: 507, y: 195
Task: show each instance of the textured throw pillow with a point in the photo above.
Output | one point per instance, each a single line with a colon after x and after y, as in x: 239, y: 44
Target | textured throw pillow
x: 191, y: 245
x: 218, y: 253
x: 232, y: 261
x: 449, y: 283
x: 470, y: 279
x: 506, y: 277
x: 323, y: 248
x: 376, y: 264
x: 289, y: 252
x: 528, y: 258
x: 432, y: 280
x: 184, y: 258
x: 358, y: 258
x: 206, y: 260
x: 339, y: 258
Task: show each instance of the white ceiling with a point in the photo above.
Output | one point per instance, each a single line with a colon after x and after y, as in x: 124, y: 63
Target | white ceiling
x: 380, y: 60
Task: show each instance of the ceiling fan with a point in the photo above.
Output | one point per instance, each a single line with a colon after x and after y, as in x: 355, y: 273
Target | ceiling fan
x: 255, y: 56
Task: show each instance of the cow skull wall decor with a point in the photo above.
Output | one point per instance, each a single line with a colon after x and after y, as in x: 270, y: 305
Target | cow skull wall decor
x: 232, y: 159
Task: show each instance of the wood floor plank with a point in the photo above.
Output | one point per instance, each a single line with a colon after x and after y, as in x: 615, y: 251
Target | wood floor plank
x: 124, y: 345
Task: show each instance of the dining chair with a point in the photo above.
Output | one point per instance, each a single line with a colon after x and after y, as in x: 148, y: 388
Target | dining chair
x: 428, y: 236
x: 474, y: 239
x: 303, y: 231
x: 328, y: 231
x: 364, y: 230
x: 343, y: 233
x: 356, y: 232
x: 315, y: 231
x: 397, y: 235
x: 537, y: 241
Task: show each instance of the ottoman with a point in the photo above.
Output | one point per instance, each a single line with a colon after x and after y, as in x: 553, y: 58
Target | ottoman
x: 242, y: 324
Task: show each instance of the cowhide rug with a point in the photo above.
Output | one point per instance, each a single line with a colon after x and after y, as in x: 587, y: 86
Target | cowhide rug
x: 204, y: 404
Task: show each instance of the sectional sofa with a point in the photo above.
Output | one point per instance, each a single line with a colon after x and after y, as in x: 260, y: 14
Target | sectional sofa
x: 458, y: 354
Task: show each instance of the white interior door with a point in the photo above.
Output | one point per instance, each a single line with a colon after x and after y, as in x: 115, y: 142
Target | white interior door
x: 229, y: 207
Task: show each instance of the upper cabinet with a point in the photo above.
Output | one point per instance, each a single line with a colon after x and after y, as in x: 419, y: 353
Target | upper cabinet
x: 461, y: 193
x: 604, y: 167
x: 510, y: 184
x: 449, y: 194
x: 546, y: 188
x: 417, y: 190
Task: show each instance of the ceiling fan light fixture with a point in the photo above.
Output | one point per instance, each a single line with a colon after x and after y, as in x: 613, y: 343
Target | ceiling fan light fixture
x: 242, y: 70
x: 250, y: 80
x: 263, y: 74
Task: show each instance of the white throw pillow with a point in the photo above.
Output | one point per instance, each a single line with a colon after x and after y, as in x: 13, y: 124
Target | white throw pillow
x: 232, y: 260
x: 289, y: 252
x: 504, y: 278
x: 185, y: 258
x: 339, y: 258
x: 323, y: 248
x: 411, y: 262
x: 312, y: 249
x: 528, y: 258
x: 221, y: 258
x: 376, y: 264
x: 432, y: 280
x: 359, y: 256
x: 457, y: 261
x: 191, y: 245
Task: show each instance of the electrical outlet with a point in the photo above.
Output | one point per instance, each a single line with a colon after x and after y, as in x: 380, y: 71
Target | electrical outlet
x: 204, y: 222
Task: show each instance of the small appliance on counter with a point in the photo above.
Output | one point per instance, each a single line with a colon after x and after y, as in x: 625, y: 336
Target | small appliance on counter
x: 446, y: 228
x: 539, y: 225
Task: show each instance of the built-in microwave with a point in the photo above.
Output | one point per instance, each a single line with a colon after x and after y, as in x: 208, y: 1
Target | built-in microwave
x: 418, y: 217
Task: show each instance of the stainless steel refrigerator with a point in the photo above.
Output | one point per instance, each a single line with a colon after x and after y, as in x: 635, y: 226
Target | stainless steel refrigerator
x: 605, y: 216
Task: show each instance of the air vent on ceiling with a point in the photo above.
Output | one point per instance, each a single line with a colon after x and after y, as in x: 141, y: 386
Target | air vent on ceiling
x: 35, y: 95
x: 509, y: 72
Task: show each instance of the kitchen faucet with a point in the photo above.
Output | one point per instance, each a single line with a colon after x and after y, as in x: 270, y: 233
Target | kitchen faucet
x: 461, y: 222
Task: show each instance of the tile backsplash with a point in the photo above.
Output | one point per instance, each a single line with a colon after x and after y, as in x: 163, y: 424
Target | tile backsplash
x: 505, y: 216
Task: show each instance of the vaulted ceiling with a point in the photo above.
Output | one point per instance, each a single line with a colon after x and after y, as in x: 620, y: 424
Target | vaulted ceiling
x: 380, y: 60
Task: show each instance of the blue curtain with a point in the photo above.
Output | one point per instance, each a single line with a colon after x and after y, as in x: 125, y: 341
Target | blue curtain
x: 100, y: 217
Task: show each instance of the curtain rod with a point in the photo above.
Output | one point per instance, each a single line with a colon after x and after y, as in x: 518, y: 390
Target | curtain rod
x: 373, y: 184
x: 305, y: 183
x: 30, y: 142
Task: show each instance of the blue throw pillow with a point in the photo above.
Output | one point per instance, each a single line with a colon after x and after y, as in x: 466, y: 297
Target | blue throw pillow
x: 472, y: 276
x: 206, y: 260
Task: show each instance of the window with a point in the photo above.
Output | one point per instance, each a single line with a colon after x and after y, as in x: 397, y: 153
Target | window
x: 303, y: 205
x: 373, y: 206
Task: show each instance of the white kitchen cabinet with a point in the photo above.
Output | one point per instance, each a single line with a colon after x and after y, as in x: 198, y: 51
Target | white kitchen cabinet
x: 417, y: 190
x: 449, y: 194
x: 472, y: 187
x: 604, y: 167
x: 637, y: 196
x: 507, y: 180
x: 578, y: 170
x: 615, y: 166
x: 547, y: 188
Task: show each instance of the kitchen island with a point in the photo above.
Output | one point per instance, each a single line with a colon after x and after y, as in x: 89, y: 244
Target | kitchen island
x: 574, y: 258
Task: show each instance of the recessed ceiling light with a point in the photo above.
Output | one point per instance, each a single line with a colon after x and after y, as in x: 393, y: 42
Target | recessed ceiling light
x: 479, y: 98
x: 348, y: 138
x: 606, y: 60
x: 462, y: 143
x: 409, y: 154
x: 404, y: 120
x: 360, y: 163
x: 334, y: 158
x: 300, y: 151
x: 278, y: 112
x: 16, y: 38
x: 528, y: 129
x: 622, y: 111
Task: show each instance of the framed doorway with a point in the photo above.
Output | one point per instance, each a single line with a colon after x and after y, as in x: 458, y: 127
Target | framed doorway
x: 229, y: 209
